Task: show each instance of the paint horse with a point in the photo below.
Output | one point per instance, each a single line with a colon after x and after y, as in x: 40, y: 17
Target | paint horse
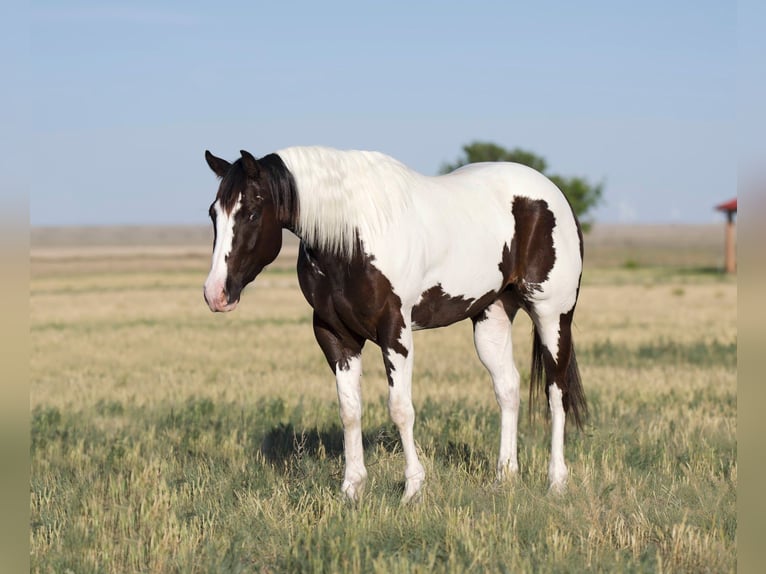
x: 386, y: 251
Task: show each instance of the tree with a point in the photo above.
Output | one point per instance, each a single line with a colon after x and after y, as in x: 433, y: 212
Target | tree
x: 582, y: 194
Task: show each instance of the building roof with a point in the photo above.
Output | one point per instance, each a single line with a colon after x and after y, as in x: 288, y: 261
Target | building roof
x: 730, y: 205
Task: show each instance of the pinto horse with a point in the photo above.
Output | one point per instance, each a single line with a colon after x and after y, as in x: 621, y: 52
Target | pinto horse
x: 386, y: 251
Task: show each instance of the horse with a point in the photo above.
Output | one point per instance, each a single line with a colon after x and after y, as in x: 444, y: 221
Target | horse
x: 386, y: 251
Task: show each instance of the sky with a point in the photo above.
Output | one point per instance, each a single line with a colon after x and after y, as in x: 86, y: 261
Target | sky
x: 125, y: 97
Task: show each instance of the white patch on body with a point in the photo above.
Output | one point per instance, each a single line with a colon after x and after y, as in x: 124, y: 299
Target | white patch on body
x: 215, y: 283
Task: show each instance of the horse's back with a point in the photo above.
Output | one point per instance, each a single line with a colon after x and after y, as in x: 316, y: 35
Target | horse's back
x: 531, y: 203
x: 479, y: 228
x: 502, y: 182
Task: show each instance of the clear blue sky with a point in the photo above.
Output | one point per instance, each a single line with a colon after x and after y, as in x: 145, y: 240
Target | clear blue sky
x: 125, y: 96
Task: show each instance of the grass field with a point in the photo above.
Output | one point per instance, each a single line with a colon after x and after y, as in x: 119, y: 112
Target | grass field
x: 169, y: 439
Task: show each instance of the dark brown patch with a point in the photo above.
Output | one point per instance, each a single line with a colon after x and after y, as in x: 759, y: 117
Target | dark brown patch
x: 506, y: 264
x: 531, y: 256
x: 257, y: 242
x: 338, y: 346
x: 511, y: 302
x: 353, y: 301
x: 439, y: 309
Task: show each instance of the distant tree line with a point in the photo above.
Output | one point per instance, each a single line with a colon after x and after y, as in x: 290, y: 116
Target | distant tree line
x: 582, y: 194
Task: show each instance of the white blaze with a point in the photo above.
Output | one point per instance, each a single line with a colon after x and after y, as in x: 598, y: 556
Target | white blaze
x: 216, y: 279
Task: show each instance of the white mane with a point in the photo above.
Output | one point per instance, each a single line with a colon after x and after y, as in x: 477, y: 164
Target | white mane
x: 341, y: 193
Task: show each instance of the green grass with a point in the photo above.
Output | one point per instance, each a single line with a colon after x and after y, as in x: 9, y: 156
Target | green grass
x: 665, y: 352
x: 168, y: 439
x: 222, y: 487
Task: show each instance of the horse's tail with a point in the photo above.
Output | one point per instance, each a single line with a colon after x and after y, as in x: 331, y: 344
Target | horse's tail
x: 543, y: 374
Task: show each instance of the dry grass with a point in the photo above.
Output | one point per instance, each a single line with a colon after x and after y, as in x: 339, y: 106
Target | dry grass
x: 169, y: 439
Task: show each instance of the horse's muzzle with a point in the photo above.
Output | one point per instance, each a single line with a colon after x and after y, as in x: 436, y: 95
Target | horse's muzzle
x: 219, y: 302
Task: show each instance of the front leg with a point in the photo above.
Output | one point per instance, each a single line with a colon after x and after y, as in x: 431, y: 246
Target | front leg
x: 348, y: 382
x: 398, y: 359
x: 344, y: 355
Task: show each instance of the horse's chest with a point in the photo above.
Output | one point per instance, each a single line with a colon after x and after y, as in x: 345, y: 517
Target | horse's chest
x: 354, y: 294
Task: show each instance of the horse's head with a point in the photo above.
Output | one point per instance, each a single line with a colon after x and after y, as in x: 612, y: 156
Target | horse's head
x: 247, y: 229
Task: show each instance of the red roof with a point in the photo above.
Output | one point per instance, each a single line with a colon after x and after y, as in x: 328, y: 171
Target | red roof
x: 730, y: 205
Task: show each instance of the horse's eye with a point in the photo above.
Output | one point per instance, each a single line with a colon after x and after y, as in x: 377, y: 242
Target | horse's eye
x: 258, y: 202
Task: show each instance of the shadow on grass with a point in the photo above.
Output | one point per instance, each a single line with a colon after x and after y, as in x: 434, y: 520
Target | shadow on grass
x: 283, y: 445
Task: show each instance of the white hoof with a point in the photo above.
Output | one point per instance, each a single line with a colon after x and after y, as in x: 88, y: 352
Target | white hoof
x: 412, y: 487
x: 557, y: 478
x: 353, y: 491
x: 506, y: 472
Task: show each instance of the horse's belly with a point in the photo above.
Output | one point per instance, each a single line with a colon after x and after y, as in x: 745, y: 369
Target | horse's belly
x: 465, y: 282
x: 437, y: 308
x: 447, y: 276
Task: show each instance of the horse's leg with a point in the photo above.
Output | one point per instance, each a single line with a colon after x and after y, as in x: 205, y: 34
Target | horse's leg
x: 554, y: 331
x: 349, y: 388
x: 398, y: 358
x: 492, y: 336
x: 344, y: 354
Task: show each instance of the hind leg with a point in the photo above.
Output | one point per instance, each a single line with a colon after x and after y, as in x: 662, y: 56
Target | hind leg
x: 557, y: 469
x: 492, y: 337
x: 554, y: 330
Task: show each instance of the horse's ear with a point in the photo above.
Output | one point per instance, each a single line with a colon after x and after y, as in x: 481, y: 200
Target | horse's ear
x: 249, y: 164
x: 219, y: 166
